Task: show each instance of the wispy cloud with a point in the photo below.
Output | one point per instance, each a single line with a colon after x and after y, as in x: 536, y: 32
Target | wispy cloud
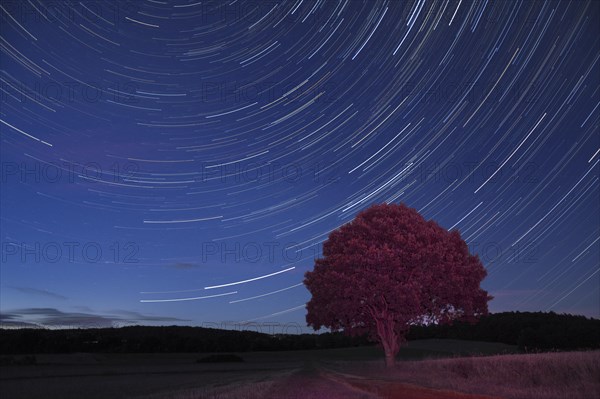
x: 51, y: 317
x: 136, y: 316
x: 37, y: 291
x: 10, y: 320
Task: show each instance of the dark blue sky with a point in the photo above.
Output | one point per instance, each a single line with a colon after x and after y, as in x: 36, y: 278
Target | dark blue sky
x: 164, y: 150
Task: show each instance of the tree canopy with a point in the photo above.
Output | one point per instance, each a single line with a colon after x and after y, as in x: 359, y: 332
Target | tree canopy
x: 389, y: 269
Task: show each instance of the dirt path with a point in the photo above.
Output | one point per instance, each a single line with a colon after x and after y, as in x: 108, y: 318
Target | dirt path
x: 312, y: 382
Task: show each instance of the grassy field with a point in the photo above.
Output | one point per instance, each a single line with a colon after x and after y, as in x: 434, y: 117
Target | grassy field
x: 523, y: 376
x: 423, y: 369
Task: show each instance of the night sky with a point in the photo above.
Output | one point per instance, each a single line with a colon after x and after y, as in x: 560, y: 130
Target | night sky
x: 157, y: 155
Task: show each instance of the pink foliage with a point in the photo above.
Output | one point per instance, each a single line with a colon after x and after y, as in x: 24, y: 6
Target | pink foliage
x: 389, y: 268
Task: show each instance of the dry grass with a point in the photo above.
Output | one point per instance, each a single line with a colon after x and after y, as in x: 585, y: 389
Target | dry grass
x: 532, y: 376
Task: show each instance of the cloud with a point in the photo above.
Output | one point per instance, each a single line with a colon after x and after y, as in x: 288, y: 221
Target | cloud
x: 10, y: 321
x: 18, y: 324
x: 51, y: 317
x: 135, y: 316
x: 36, y: 291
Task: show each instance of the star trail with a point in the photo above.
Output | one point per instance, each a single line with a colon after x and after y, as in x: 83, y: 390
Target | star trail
x: 182, y: 162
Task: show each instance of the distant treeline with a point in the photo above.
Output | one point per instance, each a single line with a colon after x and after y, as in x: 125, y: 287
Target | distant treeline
x: 145, y: 339
x: 531, y: 331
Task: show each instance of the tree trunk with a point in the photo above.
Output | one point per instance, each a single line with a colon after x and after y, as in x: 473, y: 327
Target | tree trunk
x: 389, y: 340
x: 390, y: 359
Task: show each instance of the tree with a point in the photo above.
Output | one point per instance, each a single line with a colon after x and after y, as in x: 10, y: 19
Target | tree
x: 389, y: 269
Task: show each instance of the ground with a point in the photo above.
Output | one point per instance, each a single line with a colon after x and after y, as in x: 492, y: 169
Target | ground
x: 317, y: 382
x: 327, y: 374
